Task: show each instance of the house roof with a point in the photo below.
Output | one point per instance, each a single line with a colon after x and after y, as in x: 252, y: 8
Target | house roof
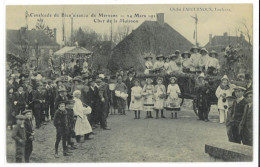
x: 31, y: 35
x: 225, y: 41
x: 150, y: 36
x: 72, y: 50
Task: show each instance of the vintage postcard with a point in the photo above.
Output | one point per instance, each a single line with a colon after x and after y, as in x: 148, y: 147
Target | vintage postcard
x: 129, y: 83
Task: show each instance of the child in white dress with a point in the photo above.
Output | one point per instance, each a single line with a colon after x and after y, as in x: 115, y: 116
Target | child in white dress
x: 159, y: 95
x: 173, y: 102
x: 167, y: 64
x: 148, y: 93
x: 148, y: 63
x: 223, y: 91
x: 136, y: 103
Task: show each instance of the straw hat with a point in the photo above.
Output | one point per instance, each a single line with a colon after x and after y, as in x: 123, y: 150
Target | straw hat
x: 203, y: 50
x: 186, y: 53
x: 213, y: 52
x: 159, y: 56
x: 193, y: 48
x: 225, y: 77
x: 148, y: 55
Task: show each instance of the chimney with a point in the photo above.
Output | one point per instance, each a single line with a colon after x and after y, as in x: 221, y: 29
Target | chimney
x: 210, y: 39
x: 225, y: 34
x: 55, y: 34
x: 160, y: 18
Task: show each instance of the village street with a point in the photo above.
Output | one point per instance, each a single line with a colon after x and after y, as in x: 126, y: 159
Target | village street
x: 131, y: 140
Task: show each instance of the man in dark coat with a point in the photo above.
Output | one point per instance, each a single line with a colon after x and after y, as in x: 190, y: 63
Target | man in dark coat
x: 37, y: 105
x: 237, y: 113
x: 93, y: 101
x: 29, y: 135
x: 103, y: 103
x: 246, y: 125
x: 20, y: 100
x: 60, y: 121
x: 20, y: 137
x: 129, y: 83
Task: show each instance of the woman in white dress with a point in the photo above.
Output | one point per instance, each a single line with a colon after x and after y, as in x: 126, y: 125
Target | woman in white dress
x: 136, y: 103
x: 82, y: 126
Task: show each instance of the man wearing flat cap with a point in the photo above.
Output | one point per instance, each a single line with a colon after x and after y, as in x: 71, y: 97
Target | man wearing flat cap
x: 19, y: 136
x: 237, y: 113
x: 103, y: 103
x: 29, y: 134
x: 246, y: 125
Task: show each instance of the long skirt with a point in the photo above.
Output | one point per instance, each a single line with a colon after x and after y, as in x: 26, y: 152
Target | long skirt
x: 82, y: 126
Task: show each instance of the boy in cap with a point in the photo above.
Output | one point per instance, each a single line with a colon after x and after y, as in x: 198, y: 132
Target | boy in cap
x: 237, y: 113
x: 29, y: 134
x: 246, y: 125
x: 129, y: 83
x: 62, y: 96
x: 71, y: 122
x: 60, y: 121
x: 20, y: 100
x: 19, y: 136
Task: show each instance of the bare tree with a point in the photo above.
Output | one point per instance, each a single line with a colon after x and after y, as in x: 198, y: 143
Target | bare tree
x: 121, y: 32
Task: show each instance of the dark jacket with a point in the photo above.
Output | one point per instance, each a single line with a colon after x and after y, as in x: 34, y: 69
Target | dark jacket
x: 20, y: 98
x: 84, y: 94
x: 246, y: 126
x: 129, y: 85
x: 238, y: 111
x: 60, y: 121
x: 93, y: 97
x: 70, y: 118
x: 19, y: 134
x: 202, y: 96
x: 37, y: 100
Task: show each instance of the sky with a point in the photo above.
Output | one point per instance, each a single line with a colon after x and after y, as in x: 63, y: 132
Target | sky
x: 227, y: 18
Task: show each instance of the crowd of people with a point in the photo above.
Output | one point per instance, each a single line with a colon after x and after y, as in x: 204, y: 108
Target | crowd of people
x: 81, y: 101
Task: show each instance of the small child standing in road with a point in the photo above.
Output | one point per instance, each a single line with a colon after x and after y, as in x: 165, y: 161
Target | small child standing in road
x: 19, y: 136
x: 136, y: 103
x: 148, y: 93
x: 60, y: 121
x: 160, y: 93
x: 173, y: 91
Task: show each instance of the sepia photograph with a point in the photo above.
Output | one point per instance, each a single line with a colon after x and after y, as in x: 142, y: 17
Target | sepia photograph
x: 129, y: 83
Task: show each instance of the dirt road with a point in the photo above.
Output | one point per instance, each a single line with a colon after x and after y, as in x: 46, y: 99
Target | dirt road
x: 131, y: 140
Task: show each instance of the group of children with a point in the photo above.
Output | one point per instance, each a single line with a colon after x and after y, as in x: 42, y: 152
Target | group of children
x: 155, y: 98
x: 195, y: 60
